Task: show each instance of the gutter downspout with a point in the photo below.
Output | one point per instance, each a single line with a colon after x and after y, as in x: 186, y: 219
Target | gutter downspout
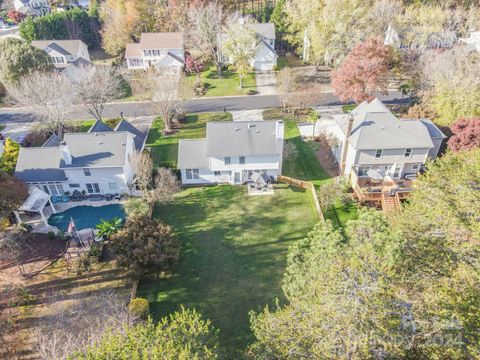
x: 345, y: 146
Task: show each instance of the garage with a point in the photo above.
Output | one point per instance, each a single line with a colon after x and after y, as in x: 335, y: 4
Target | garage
x: 263, y: 65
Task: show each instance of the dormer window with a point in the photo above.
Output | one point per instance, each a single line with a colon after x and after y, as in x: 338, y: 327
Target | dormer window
x: 408, y: 153
x: 378, y: 153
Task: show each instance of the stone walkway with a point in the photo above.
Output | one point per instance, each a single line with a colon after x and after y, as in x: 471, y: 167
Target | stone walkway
x: 247, y: 115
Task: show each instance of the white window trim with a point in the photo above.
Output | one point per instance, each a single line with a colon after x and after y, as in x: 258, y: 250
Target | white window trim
x: 381, y: 154
x: 405, y: 153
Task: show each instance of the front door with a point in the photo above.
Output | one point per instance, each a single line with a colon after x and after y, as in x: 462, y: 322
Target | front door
x: 236, y: 178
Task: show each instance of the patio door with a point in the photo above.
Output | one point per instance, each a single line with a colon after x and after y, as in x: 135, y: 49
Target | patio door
x: 237, y: 177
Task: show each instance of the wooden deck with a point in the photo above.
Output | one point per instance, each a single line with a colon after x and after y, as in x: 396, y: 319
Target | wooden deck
x: 387, y: 193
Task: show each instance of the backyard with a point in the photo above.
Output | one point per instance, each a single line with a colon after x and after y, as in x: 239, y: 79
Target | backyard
x: 227, y: 85
x: 233, y: 254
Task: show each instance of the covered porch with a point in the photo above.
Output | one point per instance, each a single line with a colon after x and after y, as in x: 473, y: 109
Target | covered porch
x: 36, y: 210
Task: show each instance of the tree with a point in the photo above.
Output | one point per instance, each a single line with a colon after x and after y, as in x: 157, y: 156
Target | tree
x: 12, y: 194
x: 167, y: 94
x: 18, y: 58
x: 437, y: 261
x: 340, y: 299
x: 8, y: 161
x: 165, y: 186
x: 119, y: 19
x: 240, y: 45
x: 279, y: 17
x: 15, y: 16
x: 363, y: 73
x: 286, y: 82
x: 466, y: 135
x: 97, y: 85
x: 106, y: 228
x: 48, y: 96
x: 145, y: 245
x: 205, y: 23
x: 182, y: 335
x: 192, y: 65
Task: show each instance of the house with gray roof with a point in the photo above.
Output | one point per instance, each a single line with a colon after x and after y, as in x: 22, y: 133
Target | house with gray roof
x: 266, y: 56
x: 94, y: 162
x: 159, y: 50
x: 63, y: 52
x: 232, y: 152
x: 32, y: 7
x: 370, y: 137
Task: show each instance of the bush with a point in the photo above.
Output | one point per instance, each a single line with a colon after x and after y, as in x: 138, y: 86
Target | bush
x: 95, y: 252
x: 199, y: 87
x: 139, y: 307
x: 51, y: 235
x: 251, y: 92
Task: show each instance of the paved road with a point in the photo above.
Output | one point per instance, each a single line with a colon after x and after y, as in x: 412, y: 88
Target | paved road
x: 136, y: 109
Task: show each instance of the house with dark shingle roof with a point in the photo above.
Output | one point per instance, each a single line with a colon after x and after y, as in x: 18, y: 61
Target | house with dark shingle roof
x: 32, y: 7
x: 159, y: 50
x: 63, y: 52
x: 232, y: 152
x: 99, y: 161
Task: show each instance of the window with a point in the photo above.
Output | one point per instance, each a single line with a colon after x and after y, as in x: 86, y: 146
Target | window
x: 378, y: 154
x: 135, y: 62
x: 216, y: 173
x: 74, y: 186
x: 60, y: 188
x: 227, y: 160
x: 396, y: 173
x: 93, y: 188
x: 86, y: 172
x: 408, y: 153
x: 241, y: 159
x: 415, y: 167
x: 363, y: 170
x: 112, y: 186
x: 53, y: 189
x: 188, y: 173
x: 195, y: 174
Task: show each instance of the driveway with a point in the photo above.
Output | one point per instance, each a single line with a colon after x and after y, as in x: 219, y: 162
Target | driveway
x: 247, y: 115
x: 266, y: 82
x: 16, y: 130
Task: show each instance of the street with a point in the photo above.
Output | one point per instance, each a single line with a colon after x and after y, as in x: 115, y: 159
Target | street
x: 145, y: 108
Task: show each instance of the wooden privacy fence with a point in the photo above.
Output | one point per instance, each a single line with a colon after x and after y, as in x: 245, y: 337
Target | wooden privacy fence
x: 308, y: 185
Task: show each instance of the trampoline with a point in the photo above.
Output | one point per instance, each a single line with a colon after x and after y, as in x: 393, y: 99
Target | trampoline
x: 86, y: 217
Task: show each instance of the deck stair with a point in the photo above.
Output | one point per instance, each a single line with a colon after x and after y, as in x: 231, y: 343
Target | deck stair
x: 390, y: 203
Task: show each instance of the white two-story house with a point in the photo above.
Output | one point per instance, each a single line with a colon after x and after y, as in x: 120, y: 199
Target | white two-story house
x: 97, y: 162
x: 232, y: 152
x: 266, y: 56
x: 159, y: 50
x: 32, y: 7
x: 63, y: 52
x: 372, y: 138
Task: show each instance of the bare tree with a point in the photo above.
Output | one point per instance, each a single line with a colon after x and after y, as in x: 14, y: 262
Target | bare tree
x: 97, y: 85
x: 70, y: 328
x: 382, y: 14
x: 166, y: 185
x: 47, y: 96
x: 12, y: 245
x: 167, y: 93
x: 205, y: 26
x: 286, y: 81
x: 143, y: 167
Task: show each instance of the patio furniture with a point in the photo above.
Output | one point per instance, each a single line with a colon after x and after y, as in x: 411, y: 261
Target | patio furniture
x: 95, y: 197
x: 76, y: 196
x: 108, y: 197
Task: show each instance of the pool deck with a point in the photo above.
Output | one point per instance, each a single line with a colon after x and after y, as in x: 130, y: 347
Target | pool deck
x: 38, y: 226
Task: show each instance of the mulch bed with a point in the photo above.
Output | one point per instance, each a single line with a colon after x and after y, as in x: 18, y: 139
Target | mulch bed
x: 325, y: 157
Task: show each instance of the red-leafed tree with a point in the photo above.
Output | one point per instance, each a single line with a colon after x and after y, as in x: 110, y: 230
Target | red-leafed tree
x: 192, y: 65
x: 15, y: 16
x: 363, y: 73
x: 466, y: 134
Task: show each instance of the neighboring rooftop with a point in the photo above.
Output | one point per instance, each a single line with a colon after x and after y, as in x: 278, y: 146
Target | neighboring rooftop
x: 138, y: 136
x: 166, y: 40
x: 99, y: 126
x: 243, y: 138
x: 64, y: 47
x: 133, y: 50
x: 375, y: 127
x: 266, y: 30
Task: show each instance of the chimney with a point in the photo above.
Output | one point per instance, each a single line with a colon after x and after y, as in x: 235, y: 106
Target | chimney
x: 345, y: 145
x: 66, y: 154
x: 279, y: 129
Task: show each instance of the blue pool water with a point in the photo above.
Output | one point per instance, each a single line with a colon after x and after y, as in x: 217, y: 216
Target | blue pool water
x: 86, y: 216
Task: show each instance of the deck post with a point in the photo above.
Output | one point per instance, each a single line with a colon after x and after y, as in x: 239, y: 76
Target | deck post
x: 17, y: 216
x: 43, y: 217
x: 51, y: 204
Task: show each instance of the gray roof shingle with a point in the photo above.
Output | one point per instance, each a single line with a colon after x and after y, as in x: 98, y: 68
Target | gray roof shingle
x: 192, y: 154
x: 39, y: 164
x: 138, y: 136
x: 266, y: 30
x: 242, y: 138
x: 99, y: 126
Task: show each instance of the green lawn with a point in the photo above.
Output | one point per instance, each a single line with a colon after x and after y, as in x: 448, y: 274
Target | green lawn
x: 233, y: 255
x: 85, y: 125
x: 348, y: 108
x: 164, y: 149
x: 288, y: 61
x: 227, y: 85
x: 2, y: 127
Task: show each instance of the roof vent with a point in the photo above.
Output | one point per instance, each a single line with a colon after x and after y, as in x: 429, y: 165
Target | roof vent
x: 251, y: 126
x: 237, y: 129
x: 258, y: 131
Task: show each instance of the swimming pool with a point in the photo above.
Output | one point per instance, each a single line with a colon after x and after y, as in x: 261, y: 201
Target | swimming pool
x: 86, y: 216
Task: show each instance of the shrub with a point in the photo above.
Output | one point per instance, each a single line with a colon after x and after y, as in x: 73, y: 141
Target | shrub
x: 251, y: 92
x: 199, y: 87
x: 51, y: 235
x: 192, y: 65
x: 136, y: 207
x: 139, y: 307
x: 466, y: 135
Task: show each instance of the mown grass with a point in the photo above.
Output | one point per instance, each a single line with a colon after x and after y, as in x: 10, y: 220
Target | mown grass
x: 227, y: 85
x: 233, y: 255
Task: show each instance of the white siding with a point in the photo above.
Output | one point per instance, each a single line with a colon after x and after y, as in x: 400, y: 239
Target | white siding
x: 391, y: 156
x: 251, y: 163
x: 101, y: 176
x: 206, y: 177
